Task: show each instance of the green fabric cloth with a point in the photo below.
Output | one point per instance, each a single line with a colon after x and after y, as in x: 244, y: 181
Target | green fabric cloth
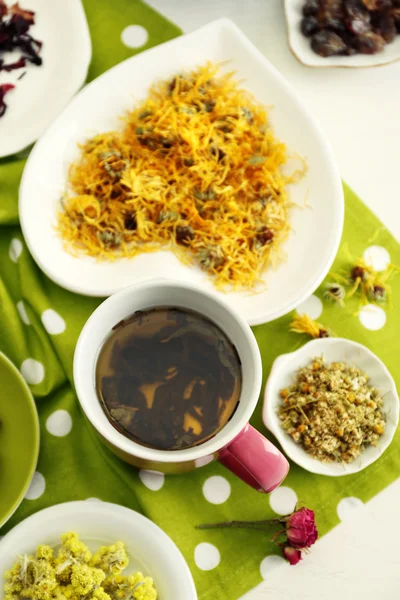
x: 78, y: 466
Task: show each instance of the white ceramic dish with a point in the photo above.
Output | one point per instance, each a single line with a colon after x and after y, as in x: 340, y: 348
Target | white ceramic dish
x: 300, y: 45
x: 332, y: 349
x: 309, y: 254
x: 44, y: 91
x: 150, y: 550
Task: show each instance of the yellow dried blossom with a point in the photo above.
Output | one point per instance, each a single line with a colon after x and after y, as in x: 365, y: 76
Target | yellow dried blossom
x: 111, y: 559
x: 74, y: 575
x: 72, y: 551
x: 141, y: 587
x: 304, y: 324
x: 100, y: 594
x: 85, y: 579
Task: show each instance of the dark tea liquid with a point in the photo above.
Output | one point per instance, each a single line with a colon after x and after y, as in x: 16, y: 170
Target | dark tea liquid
x: 168, y: 378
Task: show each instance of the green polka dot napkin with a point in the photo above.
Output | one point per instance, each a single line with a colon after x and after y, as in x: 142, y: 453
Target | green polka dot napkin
x: 39, y: 326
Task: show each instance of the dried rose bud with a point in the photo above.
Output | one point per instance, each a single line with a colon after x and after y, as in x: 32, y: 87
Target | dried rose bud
x: 292, y: 555
x: 301, y: 530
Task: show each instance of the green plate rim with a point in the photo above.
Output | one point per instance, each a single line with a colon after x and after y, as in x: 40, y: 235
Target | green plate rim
x: 33, y: 409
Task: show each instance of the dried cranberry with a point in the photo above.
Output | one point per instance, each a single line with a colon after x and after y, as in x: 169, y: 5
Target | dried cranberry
x: 308, y: 26
x: 327, y: 43
x: 184, y: 234
x: 310, y: 8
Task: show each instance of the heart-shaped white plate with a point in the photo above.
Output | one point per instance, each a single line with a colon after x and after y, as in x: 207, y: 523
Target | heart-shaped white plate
x: 316, y: 229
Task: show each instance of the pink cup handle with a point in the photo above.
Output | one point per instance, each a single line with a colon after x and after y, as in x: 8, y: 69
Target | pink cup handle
x: 255, y: 460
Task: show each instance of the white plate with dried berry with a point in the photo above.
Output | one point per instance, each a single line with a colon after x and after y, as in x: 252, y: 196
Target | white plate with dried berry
x: 45, y: 52
x: 332, y: 405
x: 344, y: 33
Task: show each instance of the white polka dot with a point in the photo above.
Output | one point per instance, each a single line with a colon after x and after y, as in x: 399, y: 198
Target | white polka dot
x: 93, y: 500
x: 372, y: 317
x: 269, y: 564
x: 283, y: 500
x: 22, y: 312
x: 203, y: 461
x: 37, y: 487
x: 152, y: 479
x: 15, y: 249
x: 59, y: 423
x: 312, y: 307
x: 217, y: 489
x: 347, y: 507
x: 53, y: 323
x: 134, y: 36
x: 32, y: 371
x: 206, y: 556
x: 377, y: 257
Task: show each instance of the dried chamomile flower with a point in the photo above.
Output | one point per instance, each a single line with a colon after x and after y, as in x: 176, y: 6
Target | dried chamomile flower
x: 332, y: 411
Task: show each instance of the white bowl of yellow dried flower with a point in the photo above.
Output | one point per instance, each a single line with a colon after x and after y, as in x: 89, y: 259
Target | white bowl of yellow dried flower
x: 93, y: 546
x: 332, y: 405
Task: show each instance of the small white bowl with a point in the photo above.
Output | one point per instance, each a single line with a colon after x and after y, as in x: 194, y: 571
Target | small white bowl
x: 300, y: 45
x: 332, y: 349
x: 97, y: 523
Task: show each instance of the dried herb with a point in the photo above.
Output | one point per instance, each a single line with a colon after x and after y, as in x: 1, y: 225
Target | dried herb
x: 332, y: 411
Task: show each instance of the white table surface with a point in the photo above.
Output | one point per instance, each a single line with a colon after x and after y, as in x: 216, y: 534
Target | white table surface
x: 359, y: 111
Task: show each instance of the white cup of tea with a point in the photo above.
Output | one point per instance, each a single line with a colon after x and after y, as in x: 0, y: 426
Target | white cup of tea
x: 238, y: 446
